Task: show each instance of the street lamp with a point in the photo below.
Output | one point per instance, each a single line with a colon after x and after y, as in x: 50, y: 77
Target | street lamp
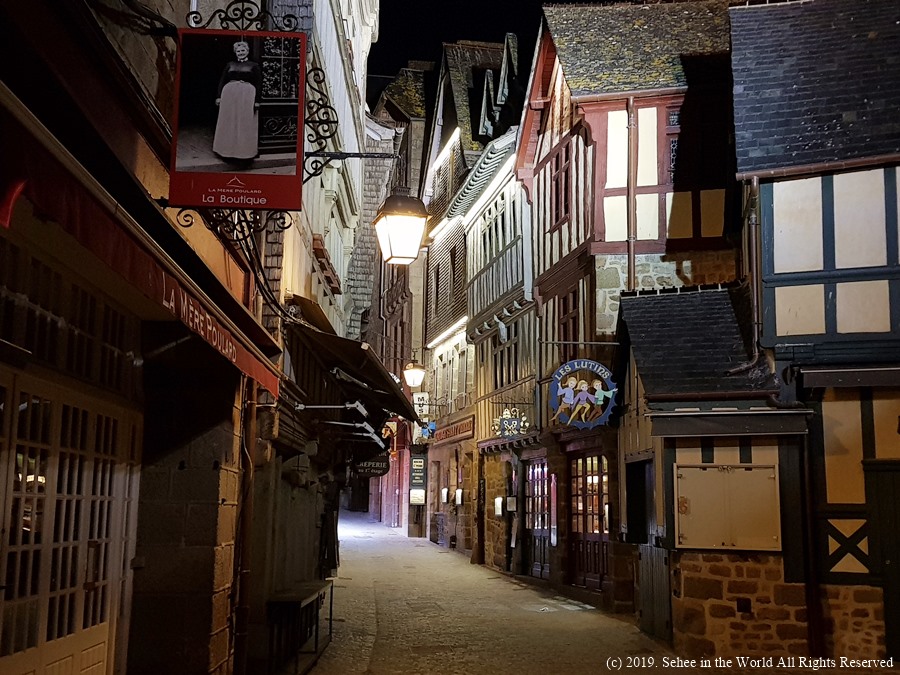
x: 414, y: 373
x: 400, y: 226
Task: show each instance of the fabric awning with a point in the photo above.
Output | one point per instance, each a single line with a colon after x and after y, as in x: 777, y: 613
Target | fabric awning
x: 356, y: 366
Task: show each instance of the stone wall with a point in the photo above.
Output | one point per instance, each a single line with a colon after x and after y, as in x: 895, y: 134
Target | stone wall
x: 186, y: 538
x: 736, y: 605
x: 496, y: 528
x: 667, y: 270
x: 854, y: 621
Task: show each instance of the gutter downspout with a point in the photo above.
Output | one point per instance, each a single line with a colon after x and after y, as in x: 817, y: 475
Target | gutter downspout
x: 631, y: 193
x: 755, y: 270
x: 245, y: 525
x: 754, y: 276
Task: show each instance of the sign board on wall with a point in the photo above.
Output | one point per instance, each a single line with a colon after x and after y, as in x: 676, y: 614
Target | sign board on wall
x: 238, y: 141
x: 582, y: 394
x: 418, y: 479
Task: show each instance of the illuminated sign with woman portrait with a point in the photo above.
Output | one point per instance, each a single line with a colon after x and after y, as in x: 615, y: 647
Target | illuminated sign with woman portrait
x: 238, y: 139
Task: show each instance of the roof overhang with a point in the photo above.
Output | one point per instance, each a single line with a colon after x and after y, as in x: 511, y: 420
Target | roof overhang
x: 772, y: 422
x: 877, y: 376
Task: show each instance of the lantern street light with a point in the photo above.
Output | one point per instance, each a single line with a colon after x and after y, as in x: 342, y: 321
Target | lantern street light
x: 414, y: 374
x: 400, y: 226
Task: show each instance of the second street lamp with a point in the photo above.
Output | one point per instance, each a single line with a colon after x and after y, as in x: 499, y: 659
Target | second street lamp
x: 400, y: 226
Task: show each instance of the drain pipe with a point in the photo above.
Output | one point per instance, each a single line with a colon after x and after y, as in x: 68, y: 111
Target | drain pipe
x: 631, y: 191
x: 755, y: 268
x: 754, y: 276
x: 245, y: 524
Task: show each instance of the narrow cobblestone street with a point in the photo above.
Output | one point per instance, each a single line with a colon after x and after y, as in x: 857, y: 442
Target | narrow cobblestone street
x: 406, y: 606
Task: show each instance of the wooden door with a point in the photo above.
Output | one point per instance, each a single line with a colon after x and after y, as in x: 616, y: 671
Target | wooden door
x: 653, y: 601
x: 882, y: 488
x: 589, y: 520
x: 69, y: 468
x: 537, y: 519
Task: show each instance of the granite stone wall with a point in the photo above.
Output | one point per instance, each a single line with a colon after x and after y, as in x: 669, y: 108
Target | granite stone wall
x: 739, y: 605
x: 665, y: 270
x: 854, y: 621
x: 497, y: 473
x: 736, y: 605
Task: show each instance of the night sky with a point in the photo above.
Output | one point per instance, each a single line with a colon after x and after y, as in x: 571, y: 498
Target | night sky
x: 415, y: 29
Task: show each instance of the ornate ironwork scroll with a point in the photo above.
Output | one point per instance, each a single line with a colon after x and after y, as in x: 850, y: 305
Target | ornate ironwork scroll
x: 244, y: 15
x: 321, y: 122
x: 235, y: 224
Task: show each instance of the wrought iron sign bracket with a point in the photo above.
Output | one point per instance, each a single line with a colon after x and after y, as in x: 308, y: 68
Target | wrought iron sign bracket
x: 234, y: 225
x: 317, y: 160
x: 244, y: 15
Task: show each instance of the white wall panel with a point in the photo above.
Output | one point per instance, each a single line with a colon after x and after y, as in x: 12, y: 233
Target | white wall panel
x: 798, y: 225
x: 860, y: 239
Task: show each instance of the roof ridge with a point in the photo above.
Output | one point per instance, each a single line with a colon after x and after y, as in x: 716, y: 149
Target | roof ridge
x: 673, y: 290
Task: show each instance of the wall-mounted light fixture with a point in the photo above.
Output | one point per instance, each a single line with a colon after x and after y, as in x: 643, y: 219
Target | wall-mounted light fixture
x: 414, y: 373
x: 400, y: 227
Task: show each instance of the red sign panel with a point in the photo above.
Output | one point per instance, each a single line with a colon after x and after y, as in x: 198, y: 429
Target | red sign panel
x: 238, y: 140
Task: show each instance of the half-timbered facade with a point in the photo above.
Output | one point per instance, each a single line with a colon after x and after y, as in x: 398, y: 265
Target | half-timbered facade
x: 616, y: 123
x: 477, y: 84
x: 824, y: 171
x: 497, y: 221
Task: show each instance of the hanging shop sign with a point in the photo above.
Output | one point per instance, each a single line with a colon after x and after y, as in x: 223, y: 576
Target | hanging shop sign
x: 582, y: 394
x: 511, y: 423
x: 238, y: 116
x: 375, y: 467
x: 420, y: 401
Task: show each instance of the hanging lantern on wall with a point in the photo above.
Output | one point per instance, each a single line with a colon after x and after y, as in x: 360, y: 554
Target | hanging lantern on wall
x: 400, y: 227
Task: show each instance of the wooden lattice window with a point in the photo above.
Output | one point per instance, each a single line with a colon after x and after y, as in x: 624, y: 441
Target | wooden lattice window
x: 506, y: 356
x: 559, y: 186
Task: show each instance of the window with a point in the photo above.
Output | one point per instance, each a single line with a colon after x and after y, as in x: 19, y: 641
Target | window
x: 559, y: 186
x: 436, y: 290
x: 453, y: 271
x: 673, y: 128
x: 590, y: 495
x: 494, y: 231
x: 727, y: 507
x: 506, y: 357
x: 568, y: 324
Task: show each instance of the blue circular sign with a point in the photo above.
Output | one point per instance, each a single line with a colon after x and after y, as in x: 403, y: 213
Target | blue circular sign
x: 582, y: 394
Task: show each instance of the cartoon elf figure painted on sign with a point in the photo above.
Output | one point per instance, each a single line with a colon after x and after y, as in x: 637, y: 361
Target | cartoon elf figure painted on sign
x: 583, y: 402
x: 568, y: 399
x: 601, y: 396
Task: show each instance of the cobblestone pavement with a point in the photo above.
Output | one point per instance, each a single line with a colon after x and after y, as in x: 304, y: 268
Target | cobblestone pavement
x: 407, y: 606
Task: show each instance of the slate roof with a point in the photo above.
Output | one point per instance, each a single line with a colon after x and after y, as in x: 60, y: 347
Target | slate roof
x: 686, y: 342
x: 815, y: 82
x: 619, y: 48
x: 467, y: 62
x: 407, y: 91
x: 488, y: 166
